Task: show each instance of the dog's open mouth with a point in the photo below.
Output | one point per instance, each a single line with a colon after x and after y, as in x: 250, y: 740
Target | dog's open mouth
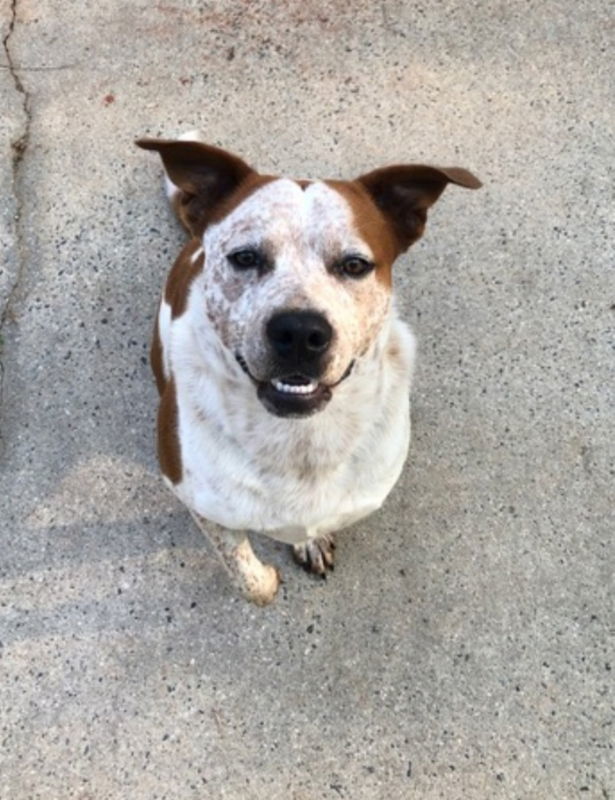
x: 294, y: 395
x: 295, y: 384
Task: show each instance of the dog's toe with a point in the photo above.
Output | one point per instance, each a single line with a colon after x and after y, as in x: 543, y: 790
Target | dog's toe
x: 316, y: 555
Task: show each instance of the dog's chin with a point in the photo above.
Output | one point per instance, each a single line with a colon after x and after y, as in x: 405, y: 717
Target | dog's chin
x: 294, y: 396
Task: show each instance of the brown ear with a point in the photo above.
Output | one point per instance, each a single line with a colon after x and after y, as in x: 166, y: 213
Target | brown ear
x: 404, y: 193
x: 205, y: 176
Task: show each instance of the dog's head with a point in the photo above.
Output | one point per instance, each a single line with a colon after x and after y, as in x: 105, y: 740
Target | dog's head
x: 297, y: 274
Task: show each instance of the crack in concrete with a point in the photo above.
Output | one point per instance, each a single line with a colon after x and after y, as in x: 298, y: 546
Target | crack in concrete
x: 44, y: 68
x: 19, y: 146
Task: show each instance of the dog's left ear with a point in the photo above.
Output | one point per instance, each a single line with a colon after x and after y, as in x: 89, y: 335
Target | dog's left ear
x: 205, y: 176
x: 404, y: 193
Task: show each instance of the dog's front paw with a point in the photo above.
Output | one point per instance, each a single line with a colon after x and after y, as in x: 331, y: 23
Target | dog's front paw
x: 316, y: 555
x: 261, y: 589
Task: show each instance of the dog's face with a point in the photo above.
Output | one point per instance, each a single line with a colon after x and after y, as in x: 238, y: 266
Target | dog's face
x: 297, y: 274
x: 294, y: 291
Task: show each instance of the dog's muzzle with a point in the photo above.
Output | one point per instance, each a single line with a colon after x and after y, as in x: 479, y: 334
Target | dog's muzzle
x: 299, y: 342
x: 294, y: 395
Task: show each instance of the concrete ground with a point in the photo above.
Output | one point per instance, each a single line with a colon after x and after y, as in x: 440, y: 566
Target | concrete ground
x: 463, y: 648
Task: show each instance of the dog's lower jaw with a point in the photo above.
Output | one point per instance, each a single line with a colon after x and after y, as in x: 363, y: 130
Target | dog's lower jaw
x: 290, y: 405
x: 293, y: 402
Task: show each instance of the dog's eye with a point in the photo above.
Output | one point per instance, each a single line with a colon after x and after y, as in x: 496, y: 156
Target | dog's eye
x: 354, y: 266
x: 247, y: 259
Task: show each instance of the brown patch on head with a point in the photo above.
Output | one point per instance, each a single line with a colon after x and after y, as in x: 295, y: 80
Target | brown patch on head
x: 211, y: 181
x: 251, y: 184
x: 182, y: 203
x: 390, y: 206
x: 155, y: 359
x: 184, y: 271
x: 169, y: 451
x: 372, y: 226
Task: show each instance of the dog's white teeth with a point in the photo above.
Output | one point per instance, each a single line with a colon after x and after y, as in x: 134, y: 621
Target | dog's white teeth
x: 304, y: 388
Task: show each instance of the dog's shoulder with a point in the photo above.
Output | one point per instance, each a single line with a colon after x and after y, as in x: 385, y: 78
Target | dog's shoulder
x: 187, y: 266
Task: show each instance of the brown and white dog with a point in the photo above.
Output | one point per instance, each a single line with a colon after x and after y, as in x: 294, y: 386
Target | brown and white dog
x: 283, y: 369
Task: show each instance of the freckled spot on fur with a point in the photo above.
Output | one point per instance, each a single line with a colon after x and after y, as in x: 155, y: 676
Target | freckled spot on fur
x: 306, y: 469
x: 233, y: 287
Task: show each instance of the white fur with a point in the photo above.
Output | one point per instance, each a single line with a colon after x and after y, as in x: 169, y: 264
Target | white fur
x: 304, y: 231
x: 244, y: 468
x: 164, y: 331
x: 292, y: 479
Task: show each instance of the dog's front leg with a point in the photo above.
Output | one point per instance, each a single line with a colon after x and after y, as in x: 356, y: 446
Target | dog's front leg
x: 258, y: 582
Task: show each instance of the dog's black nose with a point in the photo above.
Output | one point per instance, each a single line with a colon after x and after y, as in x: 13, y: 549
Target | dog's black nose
x: 299, y: 336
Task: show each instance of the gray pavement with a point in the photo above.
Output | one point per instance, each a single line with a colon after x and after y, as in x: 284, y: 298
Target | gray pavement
x: 463, y: 648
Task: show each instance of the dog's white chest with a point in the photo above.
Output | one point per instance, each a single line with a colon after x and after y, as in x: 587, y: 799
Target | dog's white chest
x: 278, y: 500
x: 294, y: 479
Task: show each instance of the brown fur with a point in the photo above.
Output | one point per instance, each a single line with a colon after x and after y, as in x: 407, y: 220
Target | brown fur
x: 178, y: 204
x: 207, y: 177
x: 155, y: 358
x: 405, y: 192
x: 176, y: 295
x: 181, y: 276
x: 169, y: 451
x: 249, y: 185
x: 371, y: 225
x: 181, y: 201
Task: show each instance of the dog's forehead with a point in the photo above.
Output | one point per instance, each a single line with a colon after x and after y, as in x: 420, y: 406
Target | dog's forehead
x: 285, y: 209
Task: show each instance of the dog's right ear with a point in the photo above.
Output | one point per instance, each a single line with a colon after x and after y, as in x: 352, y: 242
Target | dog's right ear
x: 405, y: 192
x: 205, y: 175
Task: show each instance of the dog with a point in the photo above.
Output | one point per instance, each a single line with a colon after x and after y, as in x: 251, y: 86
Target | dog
x: 283, y: 369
